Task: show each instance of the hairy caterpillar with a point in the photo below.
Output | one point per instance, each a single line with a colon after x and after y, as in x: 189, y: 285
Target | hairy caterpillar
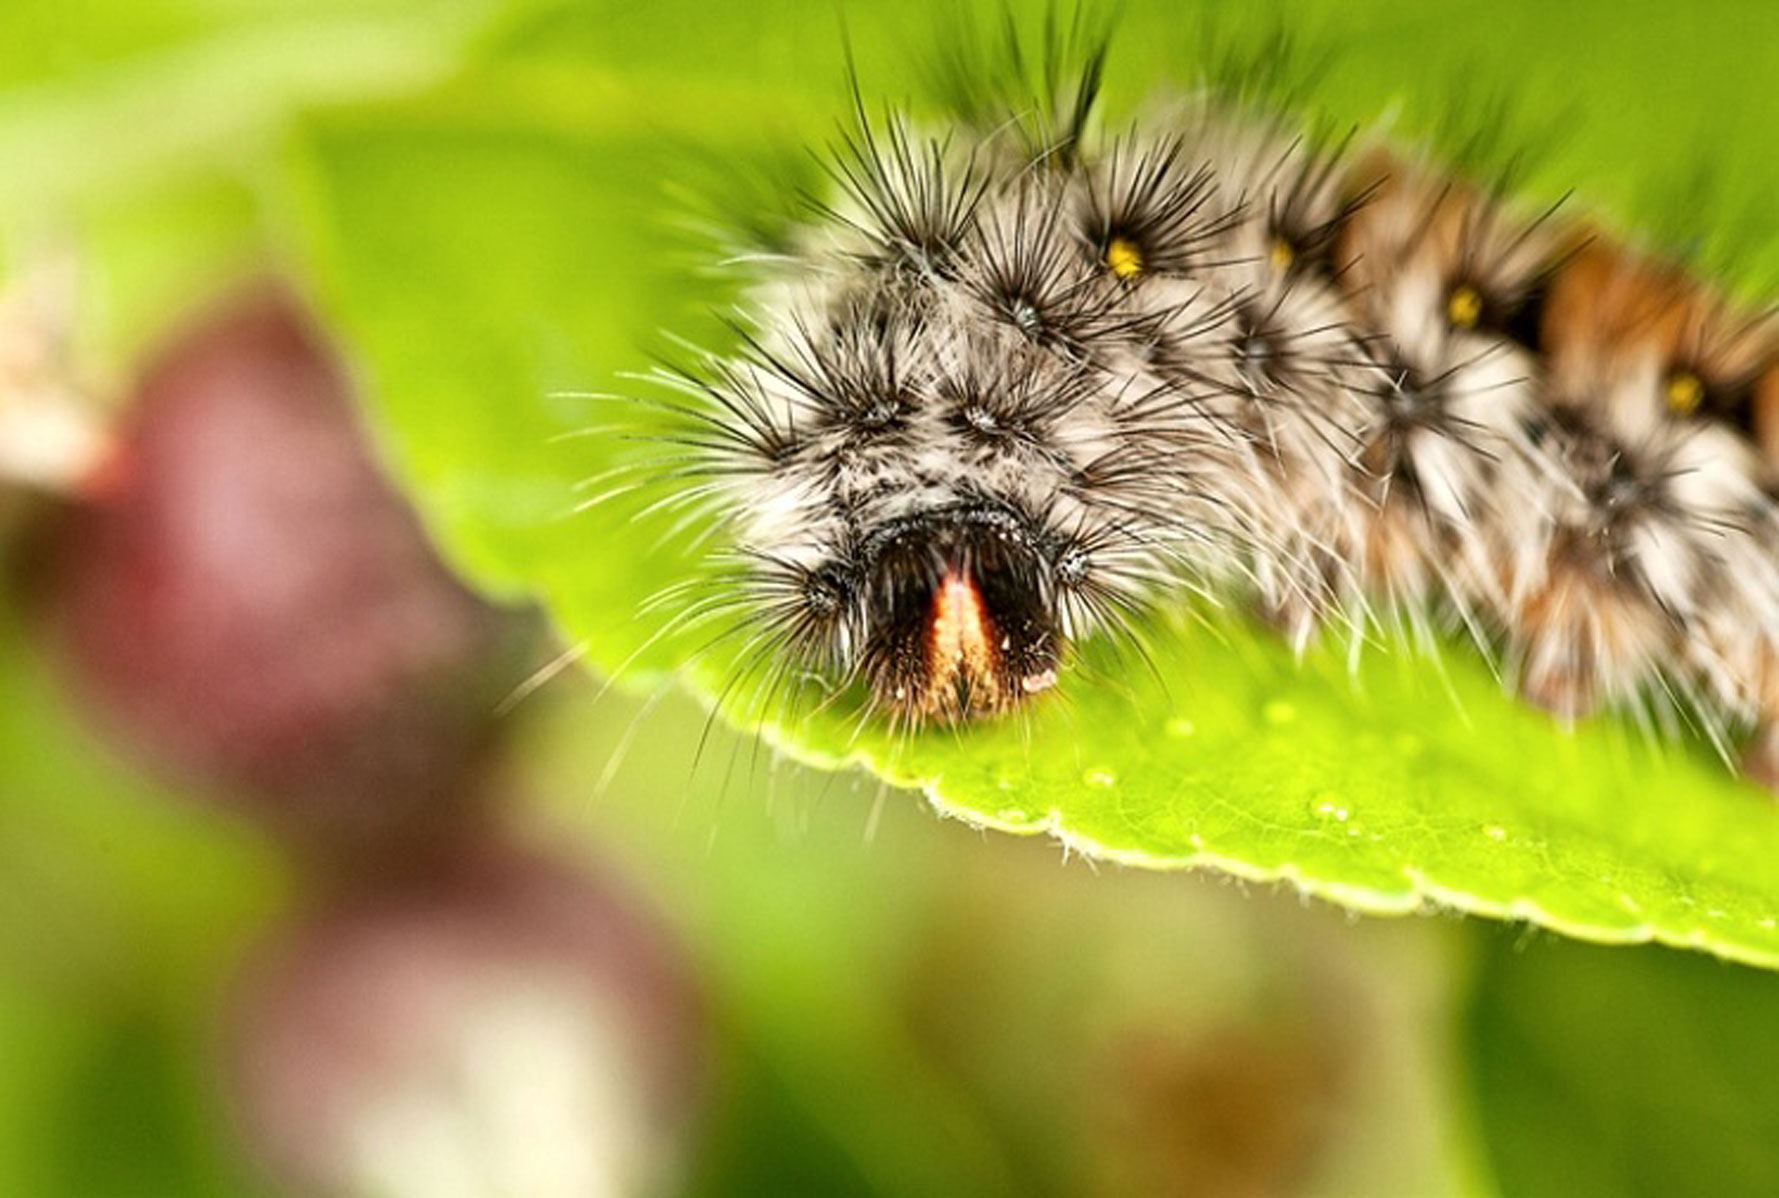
x: 1019, y: 379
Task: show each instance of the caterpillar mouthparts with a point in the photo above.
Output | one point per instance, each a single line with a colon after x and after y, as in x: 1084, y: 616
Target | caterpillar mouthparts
x: 956, y: 614
x: 1020, y: 381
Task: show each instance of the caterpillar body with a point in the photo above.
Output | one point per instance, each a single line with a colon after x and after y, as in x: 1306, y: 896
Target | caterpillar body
x: 1020, y: 380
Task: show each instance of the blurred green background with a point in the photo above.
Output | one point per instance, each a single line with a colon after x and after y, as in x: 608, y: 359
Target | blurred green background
x: 897, y: 1004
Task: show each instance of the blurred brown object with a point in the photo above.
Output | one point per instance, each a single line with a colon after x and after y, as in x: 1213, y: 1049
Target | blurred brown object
x: 1240, y: 1113
x: 504, y: 1025
x: 243, y: 599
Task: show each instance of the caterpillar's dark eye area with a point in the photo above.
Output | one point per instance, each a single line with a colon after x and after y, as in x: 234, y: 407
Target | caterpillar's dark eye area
x: 1689, y: 391
x: 1295, y: 247
x: 1295, y: 253
x: 960, y: 619
x: 1523, y: 322
x: 1282, y: 254
x: 1517, y: 317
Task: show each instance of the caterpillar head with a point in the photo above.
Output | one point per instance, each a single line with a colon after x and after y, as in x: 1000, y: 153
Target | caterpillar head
x: 946, y: 548
x: 974, y: 425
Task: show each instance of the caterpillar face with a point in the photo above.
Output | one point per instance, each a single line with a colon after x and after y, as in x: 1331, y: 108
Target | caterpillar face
x: 953, y: 610
x: 1018, y: 383
x: 934, y: 497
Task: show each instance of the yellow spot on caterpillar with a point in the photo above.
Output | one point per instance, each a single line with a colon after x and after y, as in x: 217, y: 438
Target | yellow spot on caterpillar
x: 1283, y: 254
x: 1684, y: 393
x: 1123, y: 258
x: 1463, y: 307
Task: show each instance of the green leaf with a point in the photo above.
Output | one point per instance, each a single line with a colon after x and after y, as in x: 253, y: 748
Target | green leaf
x: 124, y: 92
x: 136, y: 135
x: 1627, y: 1073
x: 511, y: 239
x: 132, y: 906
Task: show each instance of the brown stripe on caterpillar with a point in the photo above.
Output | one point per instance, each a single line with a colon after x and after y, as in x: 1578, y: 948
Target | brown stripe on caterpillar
x: 1763, y: 415
x: 1656, y: 503
x: 1613, y: 311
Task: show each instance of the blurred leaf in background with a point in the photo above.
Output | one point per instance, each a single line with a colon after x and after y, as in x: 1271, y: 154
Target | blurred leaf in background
x: 1624, y: 1073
